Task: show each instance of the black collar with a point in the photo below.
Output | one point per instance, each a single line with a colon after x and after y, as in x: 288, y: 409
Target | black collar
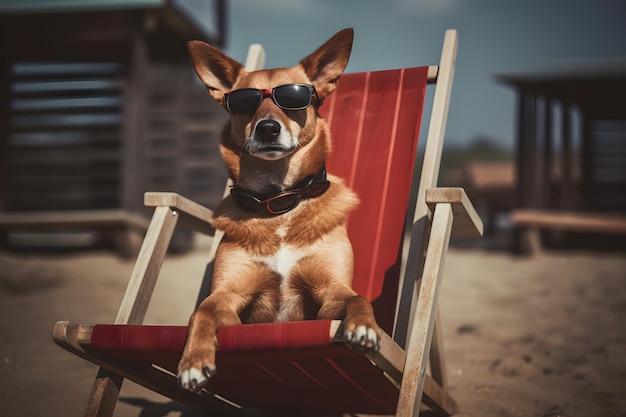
x: 284, y: 201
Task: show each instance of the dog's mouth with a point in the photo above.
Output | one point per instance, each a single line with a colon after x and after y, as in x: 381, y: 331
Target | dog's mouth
x: 271, y: 151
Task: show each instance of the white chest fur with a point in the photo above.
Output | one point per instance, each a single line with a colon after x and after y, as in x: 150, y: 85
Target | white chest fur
x: 282, y: 262
x: 285, y: 258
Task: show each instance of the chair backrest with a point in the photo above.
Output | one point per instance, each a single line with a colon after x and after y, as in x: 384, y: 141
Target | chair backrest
x: 375, y: 120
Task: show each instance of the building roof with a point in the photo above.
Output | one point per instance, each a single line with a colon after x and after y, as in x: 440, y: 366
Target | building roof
x: 30, y: 6
x: 187, y: 18
x: 600, y: 89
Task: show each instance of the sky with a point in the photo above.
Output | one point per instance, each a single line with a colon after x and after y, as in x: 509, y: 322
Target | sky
x: 495, y: 37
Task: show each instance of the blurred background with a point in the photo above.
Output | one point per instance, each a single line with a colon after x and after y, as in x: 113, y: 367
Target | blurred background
x: 99, y: 104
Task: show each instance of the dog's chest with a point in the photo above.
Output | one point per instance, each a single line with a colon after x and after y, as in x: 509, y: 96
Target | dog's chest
x: 283, y: 260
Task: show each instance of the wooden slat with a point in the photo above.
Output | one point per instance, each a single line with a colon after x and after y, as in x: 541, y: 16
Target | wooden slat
x: 144, y: 276
x: 428, y: 179
x: 438, y: 399
x: 413, y: 382
x: 467, y: 223
x: 59, y: 113
x: 191, y: 213
x: 438, y: 119
x: 255, y: 60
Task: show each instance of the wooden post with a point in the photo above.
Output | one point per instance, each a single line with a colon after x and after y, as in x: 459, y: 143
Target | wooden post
x: 587, y: 152
x: 566, y: 154
x: 132, y: 139
x: 526, y: 151
x: 414, y: 375
x: 5, y: 110
x: 548, y: 155
x: 429, y: 176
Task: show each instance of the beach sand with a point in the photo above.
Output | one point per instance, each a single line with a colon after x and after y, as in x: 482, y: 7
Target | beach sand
x: 542, y: 336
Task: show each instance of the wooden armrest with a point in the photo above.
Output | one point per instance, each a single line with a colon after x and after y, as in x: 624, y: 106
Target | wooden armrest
x: 466, y: 222
x: 191, y: 213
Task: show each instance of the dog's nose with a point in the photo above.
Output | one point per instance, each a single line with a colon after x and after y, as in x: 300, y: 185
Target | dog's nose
x: 268, y: 130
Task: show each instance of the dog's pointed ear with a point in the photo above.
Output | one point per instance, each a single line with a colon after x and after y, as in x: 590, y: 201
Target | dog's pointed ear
x: 216, y: 70
x: 327, y: 63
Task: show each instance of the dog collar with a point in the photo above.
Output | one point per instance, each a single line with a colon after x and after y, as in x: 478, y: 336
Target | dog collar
x: 284, y: 201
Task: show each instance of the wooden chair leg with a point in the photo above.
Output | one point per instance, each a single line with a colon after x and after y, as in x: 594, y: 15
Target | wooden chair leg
x: 104, y: 394
x: 437, y: 359
x: 421, y: 334
x: 107, y: 385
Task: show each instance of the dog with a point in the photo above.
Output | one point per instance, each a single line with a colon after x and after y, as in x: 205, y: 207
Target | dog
x: 285, y: 254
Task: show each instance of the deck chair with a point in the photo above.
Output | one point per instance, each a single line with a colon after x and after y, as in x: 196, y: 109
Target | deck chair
x: 299, y: 367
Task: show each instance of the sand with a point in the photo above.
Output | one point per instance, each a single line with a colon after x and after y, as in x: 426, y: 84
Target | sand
x: 542, y: 336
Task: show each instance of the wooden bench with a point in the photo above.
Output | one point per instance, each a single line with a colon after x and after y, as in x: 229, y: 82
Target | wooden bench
x: 126, y: 228
x: 530, y: 221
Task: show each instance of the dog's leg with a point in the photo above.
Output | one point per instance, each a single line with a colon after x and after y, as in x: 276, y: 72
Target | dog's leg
x: 197, y: 363
x: 250, y: 289
x: 359, y: 325
x: 327, y: 281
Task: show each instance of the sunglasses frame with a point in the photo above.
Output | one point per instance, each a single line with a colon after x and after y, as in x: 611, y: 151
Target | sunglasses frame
x: 270, y: 92
x: 267, y: 203
x: 313, y: 190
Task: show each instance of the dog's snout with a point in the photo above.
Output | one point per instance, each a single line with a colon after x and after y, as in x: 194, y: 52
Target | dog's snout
x: 268, y: 130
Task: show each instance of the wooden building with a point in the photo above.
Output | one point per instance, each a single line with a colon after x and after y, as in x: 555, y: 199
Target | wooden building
x: 98, y: 104
x: 571, y: 154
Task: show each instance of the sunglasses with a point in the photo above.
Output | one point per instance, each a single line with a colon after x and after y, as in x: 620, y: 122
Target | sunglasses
x: 281, y: 203
x: 287, y: 97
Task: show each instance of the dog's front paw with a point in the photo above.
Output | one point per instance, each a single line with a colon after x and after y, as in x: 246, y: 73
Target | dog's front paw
x: 362, y: 337
x: 194, y: 370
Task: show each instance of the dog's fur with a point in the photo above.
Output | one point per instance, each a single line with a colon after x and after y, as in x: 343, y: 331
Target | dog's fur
x: 293, y: 266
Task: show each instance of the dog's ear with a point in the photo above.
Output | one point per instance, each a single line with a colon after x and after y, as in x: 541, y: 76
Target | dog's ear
x: 217, y: 70
x: 326, y: 64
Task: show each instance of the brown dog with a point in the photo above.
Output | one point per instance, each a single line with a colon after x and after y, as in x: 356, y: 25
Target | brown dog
x: 285, y: 254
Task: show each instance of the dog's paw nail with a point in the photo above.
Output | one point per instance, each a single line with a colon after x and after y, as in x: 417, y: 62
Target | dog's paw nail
x: 191, y: 379
x: 372, y: 340
x: 360, y: 335
x: 347, y: 336
x: 363, y: 339
x: 209, y: 371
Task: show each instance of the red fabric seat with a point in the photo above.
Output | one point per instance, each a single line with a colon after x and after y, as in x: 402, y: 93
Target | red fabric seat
x: 253, y: 372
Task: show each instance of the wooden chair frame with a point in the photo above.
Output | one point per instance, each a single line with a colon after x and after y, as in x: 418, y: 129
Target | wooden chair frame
x: 439, y: 213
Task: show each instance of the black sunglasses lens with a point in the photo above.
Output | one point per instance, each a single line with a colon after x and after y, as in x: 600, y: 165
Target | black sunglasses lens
x: 292, y: 96
x: 283, y: 204
x: 244, y: 101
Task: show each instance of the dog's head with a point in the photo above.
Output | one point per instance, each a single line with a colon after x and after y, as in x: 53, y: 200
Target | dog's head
x: 272, y: 118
